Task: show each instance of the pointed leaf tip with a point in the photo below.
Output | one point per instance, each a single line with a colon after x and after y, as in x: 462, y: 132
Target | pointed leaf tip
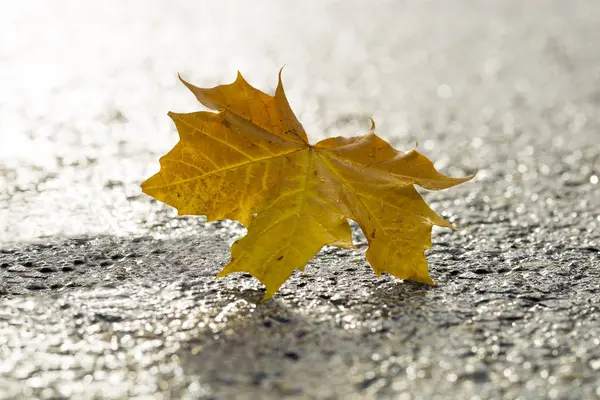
x: 279, y: 80
x: 187, y: 84
x: 372, y: 124
x: 268, y: 295
x: 239, y: 77
x: 182, y: 80
x: 280, y: 71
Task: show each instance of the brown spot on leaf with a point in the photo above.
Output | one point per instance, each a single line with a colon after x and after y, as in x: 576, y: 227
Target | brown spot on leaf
x: 226, y: 123
x: 373, y: 233
x: 279, y: 258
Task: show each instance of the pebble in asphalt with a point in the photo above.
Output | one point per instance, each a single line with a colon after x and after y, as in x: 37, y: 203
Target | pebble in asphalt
x: 106, y: 293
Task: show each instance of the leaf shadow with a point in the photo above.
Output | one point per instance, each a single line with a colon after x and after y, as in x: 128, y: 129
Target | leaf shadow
x: 318, y: 336
x: 332, y: 325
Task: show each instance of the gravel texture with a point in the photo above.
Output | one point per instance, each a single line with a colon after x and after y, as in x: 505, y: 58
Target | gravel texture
x: 105, y: 293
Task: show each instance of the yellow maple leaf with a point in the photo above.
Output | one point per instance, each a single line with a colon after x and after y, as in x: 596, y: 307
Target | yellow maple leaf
x: 251, y: 161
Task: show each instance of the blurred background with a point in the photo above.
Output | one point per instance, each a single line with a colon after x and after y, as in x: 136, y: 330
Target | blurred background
x: 85, y: 88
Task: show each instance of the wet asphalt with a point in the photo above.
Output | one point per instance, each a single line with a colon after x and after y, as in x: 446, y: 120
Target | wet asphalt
x: 105, y: 293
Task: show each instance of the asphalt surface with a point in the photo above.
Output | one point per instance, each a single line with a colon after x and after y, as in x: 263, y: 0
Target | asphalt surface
x: 105, y: 293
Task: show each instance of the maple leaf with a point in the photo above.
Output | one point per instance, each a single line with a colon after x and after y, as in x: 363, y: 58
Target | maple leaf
x: 251, y: 161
